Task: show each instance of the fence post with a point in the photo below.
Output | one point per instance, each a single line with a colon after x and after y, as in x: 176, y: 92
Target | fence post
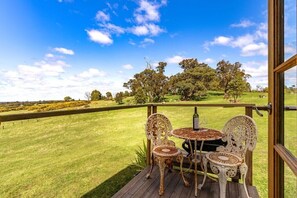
x: 249, y: 154
x: 148, y: 142
x: 150, y: 110
x: 155, y: 108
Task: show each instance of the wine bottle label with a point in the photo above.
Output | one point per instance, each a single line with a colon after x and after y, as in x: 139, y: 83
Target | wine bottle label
x: 196, y: 124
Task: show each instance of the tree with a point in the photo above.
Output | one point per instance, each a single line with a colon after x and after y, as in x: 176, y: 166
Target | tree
x: 236, y: 87
x: 126, y: 94
x: 67, y: 98
x: 152, y: 82
x: 140, y: 97
x: 96, y: 95
x: 119, y: 98
x: 88, y: 95
x: 226, y: 72
x: 194, y: 81
x: 108, y: 95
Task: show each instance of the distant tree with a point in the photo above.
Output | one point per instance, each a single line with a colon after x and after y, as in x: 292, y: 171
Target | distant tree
x: 67, y: 98
x: 236, y: 88
x: 140, y: 97
x: 227, y: 72
x: 152, y: 82
x: 265, y: 90
x: 259, y: 88
x: 88, y: 95
x: 126, y: 94
x: 119, y: 98
x: 194, y: 81
x: 108, y: 95
x: 96, y: 95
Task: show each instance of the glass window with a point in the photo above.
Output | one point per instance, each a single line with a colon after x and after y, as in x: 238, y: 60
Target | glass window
x: 291, y: 116
x: 290, y: 182
x: 290, y: 17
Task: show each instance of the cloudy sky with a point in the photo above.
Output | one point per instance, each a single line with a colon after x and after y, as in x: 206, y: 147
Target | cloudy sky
x: 56, y: 48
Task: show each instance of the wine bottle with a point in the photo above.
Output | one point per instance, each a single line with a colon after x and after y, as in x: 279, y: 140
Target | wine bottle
x: 196, y: 120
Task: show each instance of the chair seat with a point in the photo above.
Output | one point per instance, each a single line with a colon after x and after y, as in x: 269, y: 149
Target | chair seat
x: 166, y: 151
x: 224, y: 159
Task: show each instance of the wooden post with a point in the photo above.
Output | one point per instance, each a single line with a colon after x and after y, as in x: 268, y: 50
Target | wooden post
x: 155, y: 109
x: 148, y: 142
x: 249, y: 154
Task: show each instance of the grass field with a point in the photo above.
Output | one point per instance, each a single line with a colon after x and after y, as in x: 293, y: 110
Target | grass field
x: 91, y: 154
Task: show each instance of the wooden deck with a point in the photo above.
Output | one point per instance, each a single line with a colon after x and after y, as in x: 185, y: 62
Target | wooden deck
x: 140, y: 187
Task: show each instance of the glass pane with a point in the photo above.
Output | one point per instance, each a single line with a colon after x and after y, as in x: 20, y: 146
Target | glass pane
x: 290, y: 183
x: 291, y: 115
x: 290, y: 28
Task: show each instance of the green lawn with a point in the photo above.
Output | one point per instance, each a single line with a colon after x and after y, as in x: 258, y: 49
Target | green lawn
x: 90, y: 154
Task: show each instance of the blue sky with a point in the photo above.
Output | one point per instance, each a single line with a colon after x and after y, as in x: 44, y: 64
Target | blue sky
x: 56, y: 48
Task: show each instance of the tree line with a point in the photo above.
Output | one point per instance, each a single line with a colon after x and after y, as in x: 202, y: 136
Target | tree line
x: 193, y: 83
x: 151, y: 85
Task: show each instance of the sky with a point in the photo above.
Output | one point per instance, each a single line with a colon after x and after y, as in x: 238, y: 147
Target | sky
x: 50, y: 49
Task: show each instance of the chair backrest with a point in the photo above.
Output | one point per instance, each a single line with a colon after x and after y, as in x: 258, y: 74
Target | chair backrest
x: 157, y: 129
x: 240, y: 133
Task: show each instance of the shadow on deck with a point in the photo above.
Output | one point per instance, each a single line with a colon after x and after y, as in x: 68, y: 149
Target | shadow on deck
x: 140, y: 187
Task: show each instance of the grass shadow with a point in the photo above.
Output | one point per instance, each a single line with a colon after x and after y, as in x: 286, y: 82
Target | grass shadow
x: 109, y: 187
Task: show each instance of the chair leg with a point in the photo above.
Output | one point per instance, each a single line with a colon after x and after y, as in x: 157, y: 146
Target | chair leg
x: 148, y: 175
x: 169, y: 164
x: 243, y: 170
x: 204, y: 160
x: 180, y: 158
x: 161, y: 168
x: 222, y: 181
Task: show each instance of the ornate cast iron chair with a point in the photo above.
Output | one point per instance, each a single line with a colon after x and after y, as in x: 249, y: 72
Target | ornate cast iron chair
x: 240, y: 133
x: 158, y: 129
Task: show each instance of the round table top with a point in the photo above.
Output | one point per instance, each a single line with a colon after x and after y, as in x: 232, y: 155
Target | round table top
x: 199, y: 135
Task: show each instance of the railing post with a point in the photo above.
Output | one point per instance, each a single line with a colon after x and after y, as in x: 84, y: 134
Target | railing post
x: 148, y: 142
x: 249, y: 154
x: 155, y: 110
x: 150, y: 110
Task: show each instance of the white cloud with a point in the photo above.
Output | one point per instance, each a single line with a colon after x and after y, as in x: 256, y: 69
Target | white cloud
x: 49, y: 55
x: 111, y: 28
x: 242, y: 41
x: 250, y: 44
x: 64, y: 51
x: 147, y: 29
x: 49, y: 79
x: 66, y: 1
x: 243, y: 24
x: 164, y: 2
x: 221, y: 40
x: 261, y: 32
x: 99, y: 37
x: 128, y: 66
x: 92, y: 72
x: 258, y: 71
x: 175, y: 59
x: 140, y: 30
x: 102, y: 17
x: 146, y: 42
x: 290, y: 49
x: 146, y: 12
x: 255, y: 49
x: 208, y: 61
x: 131, y: 42
x: 146, y: 15
x: 154, y: 29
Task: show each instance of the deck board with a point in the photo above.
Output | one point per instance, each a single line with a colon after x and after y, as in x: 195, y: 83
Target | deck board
x: 140, y: 187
